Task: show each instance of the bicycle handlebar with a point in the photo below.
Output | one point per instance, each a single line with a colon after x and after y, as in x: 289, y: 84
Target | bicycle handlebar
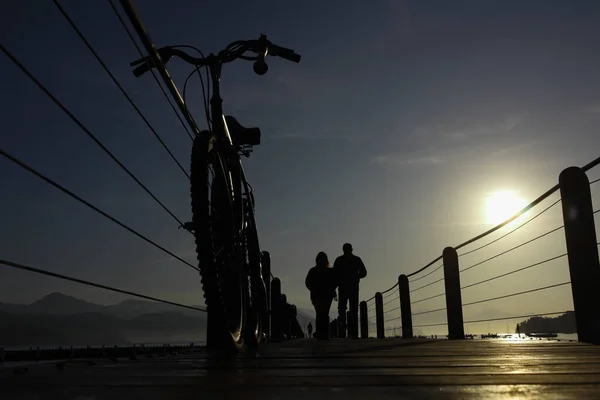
x: 262, y: 47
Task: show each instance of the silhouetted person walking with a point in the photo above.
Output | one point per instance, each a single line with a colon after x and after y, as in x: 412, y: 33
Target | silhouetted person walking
x: 322, y: 282
x: 309, y: 329
x: 349, y: 269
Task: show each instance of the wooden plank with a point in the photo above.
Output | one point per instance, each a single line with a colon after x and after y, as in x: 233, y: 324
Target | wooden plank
x: 335, y: 369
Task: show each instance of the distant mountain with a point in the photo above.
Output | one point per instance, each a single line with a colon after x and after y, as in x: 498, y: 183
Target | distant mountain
x: 564, y: 323
x: 132, y: 308
x: 59, y: 319
x: 52, y: 329
x: 62, y: 304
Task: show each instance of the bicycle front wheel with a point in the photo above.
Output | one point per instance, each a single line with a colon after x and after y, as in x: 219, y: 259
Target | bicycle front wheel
x: 219, y: 250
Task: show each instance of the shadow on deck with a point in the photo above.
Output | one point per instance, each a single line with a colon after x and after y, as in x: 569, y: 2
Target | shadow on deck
x: 335, y: 369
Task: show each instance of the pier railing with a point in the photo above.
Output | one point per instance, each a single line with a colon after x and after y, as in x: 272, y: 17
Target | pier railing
x: 460, y: 290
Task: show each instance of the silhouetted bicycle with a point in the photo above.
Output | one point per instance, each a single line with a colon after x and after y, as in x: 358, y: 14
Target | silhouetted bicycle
x: 222, y: 200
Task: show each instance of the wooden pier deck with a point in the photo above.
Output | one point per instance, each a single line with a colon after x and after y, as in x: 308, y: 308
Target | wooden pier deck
x: 349, y: 369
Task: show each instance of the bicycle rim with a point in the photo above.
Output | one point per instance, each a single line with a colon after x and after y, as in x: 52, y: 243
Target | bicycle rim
x: 219, y: 255
x: 253, y: 260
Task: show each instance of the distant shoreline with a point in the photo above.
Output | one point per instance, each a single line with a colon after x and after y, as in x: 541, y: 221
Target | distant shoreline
x: 66, y: 353
x: 14, y: 348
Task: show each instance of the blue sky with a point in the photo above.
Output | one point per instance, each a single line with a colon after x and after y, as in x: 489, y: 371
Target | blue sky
x: 400, y: 119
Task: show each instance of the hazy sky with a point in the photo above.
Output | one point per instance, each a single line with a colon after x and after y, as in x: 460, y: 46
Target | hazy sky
x: 399, y: 121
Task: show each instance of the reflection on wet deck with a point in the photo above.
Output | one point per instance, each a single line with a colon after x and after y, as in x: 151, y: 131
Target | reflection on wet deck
x: 337, y: 369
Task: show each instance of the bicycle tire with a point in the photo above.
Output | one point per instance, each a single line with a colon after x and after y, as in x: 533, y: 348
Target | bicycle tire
x: 219, y: 261
x: 259, y: 306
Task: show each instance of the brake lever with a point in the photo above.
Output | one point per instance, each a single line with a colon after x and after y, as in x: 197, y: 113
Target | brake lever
x: 140, y: 61
x: 163, y: 53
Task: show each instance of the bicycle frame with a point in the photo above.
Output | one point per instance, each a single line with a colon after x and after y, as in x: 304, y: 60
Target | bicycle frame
x: 219, y: 128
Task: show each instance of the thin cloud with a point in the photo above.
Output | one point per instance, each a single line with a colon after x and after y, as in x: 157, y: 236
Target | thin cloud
x: 592, y: 109
x: 450, y: 154
x: 443, y: 143
x: 400, y: 159
x: 331, y: 134
x: 467, y: 130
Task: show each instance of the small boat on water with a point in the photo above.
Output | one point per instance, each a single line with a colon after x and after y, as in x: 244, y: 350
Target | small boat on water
x: 542, y: 335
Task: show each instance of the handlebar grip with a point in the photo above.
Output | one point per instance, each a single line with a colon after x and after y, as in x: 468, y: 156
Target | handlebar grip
x: 293, y: 57
x: 141, y: 70
x: 287, y: 54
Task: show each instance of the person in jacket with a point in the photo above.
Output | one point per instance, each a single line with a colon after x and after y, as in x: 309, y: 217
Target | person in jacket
x: 349, y: 270
x: 321, y: 281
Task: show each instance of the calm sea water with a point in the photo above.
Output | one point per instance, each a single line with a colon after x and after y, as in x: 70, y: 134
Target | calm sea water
x: 559, y: 337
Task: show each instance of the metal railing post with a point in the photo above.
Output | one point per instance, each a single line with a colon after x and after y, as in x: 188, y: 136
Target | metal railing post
x: 364, y: 320
x: 582, y: 249
x: 379, y: 315
x: 276, y: 334
x: 454, y: 312
x: 405, y: 309
x: 266, y: 273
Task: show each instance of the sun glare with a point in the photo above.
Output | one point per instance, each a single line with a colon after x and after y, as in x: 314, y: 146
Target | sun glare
x: 500, y: 206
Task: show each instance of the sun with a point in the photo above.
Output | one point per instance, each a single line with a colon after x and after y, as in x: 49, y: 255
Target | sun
x: 500, y: 206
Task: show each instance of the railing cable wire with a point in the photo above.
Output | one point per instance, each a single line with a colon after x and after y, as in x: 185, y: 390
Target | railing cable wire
x: 425, y: 267
x: 85, y: 129
x: 387, y: 294
x: 515, y: 294
x: 429, y: 284
x: 428, y: 325
x: 512, y: 248
x: 428, y: 298
x: 116, y: 82
x: 389, y: 301
x: 393, y: 287
x: 426, y: 275
x: 392, y: 310
x: 93, y: 207
x: 429, y: 311
x: 96, y: 285
x: 515, y: 271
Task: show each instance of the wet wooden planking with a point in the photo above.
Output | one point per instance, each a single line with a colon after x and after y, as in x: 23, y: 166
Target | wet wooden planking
x: 335, y: 369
